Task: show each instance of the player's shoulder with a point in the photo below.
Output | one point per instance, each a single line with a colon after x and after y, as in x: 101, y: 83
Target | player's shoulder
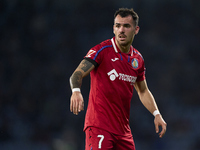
x: 100, y: 50
x: 103, y: 45
x: 136, y: 52
x: 106, y: 42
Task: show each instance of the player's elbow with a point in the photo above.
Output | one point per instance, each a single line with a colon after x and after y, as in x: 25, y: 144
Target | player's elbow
x: 143, y: 92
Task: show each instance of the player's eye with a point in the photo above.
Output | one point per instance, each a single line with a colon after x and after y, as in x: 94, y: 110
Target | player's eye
x: 117, y: 25
x: 127, y: 25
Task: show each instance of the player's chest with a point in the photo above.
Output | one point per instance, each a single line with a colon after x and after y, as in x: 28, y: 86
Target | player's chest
x: 122, y: 63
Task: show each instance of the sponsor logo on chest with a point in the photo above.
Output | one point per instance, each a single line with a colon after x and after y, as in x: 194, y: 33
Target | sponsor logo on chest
x: 124, y: 77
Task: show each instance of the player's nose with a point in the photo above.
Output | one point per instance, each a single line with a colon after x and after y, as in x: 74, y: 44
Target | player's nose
x: 121, y: 29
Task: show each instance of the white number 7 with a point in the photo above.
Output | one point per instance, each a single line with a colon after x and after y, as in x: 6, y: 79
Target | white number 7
x: 101, y: 140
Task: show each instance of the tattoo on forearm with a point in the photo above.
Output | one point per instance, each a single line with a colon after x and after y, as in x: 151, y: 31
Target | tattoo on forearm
x: 76, y: 80
x: 86, y: 65
x: 83, y: 69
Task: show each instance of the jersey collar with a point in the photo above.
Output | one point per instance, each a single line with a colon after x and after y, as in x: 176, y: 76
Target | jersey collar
x: 117, y: 50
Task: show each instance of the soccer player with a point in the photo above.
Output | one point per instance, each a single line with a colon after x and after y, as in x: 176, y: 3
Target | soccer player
x: 115, y: 68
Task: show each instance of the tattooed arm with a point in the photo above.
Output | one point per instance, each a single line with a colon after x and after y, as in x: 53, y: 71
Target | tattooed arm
x: 77, y: 102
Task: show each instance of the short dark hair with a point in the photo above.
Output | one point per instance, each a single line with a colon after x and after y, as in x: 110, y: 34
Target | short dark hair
x: 124, y: 12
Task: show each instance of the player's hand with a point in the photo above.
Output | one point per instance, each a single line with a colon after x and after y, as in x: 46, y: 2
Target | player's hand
x: 76, y: 102
x: 159, y: 121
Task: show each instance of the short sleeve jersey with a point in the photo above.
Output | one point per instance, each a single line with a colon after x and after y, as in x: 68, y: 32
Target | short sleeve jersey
x: 112, y: 84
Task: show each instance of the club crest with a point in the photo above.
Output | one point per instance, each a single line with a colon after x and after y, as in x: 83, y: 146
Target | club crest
x: 135, y: 63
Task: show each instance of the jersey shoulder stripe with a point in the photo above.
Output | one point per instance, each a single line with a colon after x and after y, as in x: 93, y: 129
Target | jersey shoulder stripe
x: 101, y: 50
x: 136, y: 52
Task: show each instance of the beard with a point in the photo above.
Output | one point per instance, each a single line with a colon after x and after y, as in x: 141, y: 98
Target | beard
x: 123, y: 43
x: 126, y: 41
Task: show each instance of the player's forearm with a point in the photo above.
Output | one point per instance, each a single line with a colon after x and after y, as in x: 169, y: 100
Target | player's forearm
x: 148, y: 100
x: 76, y: 79
x: 81, y: 71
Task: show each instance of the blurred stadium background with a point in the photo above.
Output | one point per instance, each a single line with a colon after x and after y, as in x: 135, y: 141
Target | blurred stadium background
x: 42, y: 42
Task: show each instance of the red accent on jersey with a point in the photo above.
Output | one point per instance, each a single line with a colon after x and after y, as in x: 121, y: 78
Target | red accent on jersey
x: 112, y: 84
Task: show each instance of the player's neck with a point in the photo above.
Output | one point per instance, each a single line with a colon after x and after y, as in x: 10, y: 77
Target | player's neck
x: 124, y: 49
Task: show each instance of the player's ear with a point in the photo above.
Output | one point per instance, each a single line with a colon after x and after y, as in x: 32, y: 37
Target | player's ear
x: 137, y: 28
x: 114, y: 29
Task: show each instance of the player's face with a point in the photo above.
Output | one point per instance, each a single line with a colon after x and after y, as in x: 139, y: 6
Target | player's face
x: 124, y: 30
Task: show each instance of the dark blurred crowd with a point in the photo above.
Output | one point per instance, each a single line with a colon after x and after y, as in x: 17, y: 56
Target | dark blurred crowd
x: 43, y: 41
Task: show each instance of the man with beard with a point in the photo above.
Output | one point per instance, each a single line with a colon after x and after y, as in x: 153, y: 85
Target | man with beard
x: 115, y: 68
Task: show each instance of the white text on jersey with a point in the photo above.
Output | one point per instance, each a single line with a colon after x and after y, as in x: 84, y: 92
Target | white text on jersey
x: 127, y: 78
x: 124, y: 77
